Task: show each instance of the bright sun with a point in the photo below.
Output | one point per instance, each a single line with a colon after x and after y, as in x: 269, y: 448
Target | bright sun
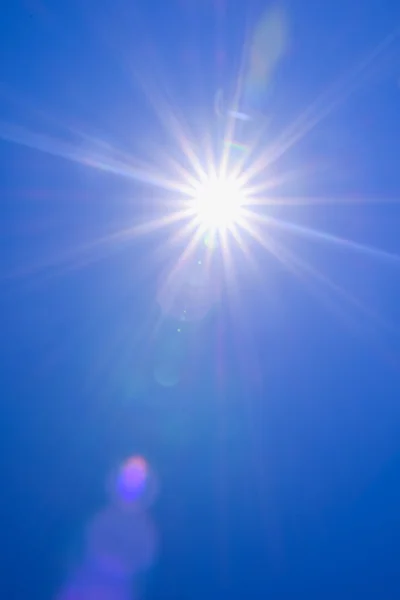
x: 217, y: 202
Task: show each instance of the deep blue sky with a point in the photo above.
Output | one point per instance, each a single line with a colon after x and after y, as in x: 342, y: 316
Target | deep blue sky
x: 278, y: 452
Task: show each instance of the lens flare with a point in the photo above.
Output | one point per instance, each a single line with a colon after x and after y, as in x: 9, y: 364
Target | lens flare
x: 134, y: 485
x: 132, y: 477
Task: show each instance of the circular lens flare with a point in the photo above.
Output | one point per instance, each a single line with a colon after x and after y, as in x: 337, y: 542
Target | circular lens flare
x: 217, y: 202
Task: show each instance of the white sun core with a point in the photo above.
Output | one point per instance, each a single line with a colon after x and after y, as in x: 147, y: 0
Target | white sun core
x: 217, y: 202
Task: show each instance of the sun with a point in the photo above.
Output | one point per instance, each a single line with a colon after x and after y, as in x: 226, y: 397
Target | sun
x: 217, y: 202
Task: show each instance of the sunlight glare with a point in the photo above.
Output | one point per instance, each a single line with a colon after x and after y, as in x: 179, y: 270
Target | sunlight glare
x: 217, y: 202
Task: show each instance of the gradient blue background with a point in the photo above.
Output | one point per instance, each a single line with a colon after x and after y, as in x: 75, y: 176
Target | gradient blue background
x: 278, y: 452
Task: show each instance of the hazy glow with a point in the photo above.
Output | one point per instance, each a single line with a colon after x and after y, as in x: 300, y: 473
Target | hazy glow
x: 217, y: 202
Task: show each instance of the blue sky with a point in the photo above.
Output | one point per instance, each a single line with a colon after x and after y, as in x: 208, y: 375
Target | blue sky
x: 275, y: 432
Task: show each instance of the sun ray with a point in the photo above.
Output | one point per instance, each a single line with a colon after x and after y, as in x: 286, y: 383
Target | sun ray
x: 351, y: 200
x: 171, y: 122
x: 318, y: 110
x: 179, y: 235
x: 233, y: 113
x: 257, y: 191
x: 309, y: 274
x: 329, y: 238
x: 87, y: 253
x: 182, y: 261
x: 138, y: 172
